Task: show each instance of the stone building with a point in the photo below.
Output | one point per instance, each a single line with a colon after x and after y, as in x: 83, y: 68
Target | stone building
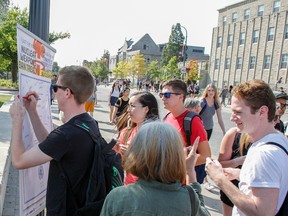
x: 145, y: 45
x: 250, y: 42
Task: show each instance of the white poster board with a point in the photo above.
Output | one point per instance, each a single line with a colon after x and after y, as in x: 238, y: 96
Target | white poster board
x: 35, y: 57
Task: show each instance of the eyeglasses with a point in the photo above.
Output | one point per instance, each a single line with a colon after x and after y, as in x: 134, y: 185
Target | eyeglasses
x: 281, y: 105
x: 132, y: 106
x: 167, y: 94
x: 56, y: 87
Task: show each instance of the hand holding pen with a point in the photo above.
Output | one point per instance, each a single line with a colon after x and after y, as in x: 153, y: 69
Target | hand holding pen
x: 30, y: 101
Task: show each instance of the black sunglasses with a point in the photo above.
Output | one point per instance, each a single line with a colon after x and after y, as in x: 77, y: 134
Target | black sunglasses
x: 56, y: 87
x: 167, y: 94
x: 281, y: 105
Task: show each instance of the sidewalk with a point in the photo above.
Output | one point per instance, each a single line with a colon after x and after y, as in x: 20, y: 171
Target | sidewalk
x: 101, y: 114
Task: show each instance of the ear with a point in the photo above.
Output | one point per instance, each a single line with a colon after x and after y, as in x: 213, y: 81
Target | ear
x: 264, y: 110
x: 146, y: 110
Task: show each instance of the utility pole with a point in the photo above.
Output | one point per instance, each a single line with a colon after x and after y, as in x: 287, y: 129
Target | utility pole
x: 39, y: 15
x: 183, y: 70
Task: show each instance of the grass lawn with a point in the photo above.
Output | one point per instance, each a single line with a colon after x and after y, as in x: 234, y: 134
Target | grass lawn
x: 4, y: 98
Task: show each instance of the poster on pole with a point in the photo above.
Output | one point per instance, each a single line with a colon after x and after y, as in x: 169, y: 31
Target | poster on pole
x: 35, y: 59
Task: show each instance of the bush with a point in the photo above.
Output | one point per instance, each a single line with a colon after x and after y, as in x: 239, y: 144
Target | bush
x: 8, y: 83
x: 4, y: 98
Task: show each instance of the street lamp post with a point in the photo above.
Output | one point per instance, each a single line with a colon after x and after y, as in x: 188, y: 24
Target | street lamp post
x: 184, y: 53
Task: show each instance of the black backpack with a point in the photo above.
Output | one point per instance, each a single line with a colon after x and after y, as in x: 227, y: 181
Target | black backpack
x: 106, y: 173
x: 187, y: 124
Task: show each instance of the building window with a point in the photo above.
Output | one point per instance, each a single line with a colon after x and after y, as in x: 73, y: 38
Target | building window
x: 144, y: 47
x: 270, y: 34
x: 252, y: 62
x: 286, y: 32
x: 234, y: 17
x: 284, y: 61
x: 276, y: 6
x: 227, y: 63
x: 216, y: 67
x: 224, y: 20
x: 219, y: 41
x: 230, y: 39
x: 239, y: 63
x: 246, y: 14
x: 267, y: 60
x: 260, y: 10
x: 255, y: 36
x: 242, y: 38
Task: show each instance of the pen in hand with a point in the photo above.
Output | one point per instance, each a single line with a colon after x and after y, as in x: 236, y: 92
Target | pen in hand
x: 27, y: 97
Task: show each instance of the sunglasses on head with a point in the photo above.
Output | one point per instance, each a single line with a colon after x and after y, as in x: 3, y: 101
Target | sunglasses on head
x: 56, y: 87
x: 167, y: 94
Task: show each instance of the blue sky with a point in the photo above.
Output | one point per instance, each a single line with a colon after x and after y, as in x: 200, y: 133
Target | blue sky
x: 96, y: 26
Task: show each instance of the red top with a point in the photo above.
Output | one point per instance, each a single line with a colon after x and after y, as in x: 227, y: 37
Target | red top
x: 196, y: 130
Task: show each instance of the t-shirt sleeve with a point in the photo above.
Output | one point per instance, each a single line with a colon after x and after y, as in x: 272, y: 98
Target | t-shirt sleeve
x: 198, y: 130
x: 55, y: 145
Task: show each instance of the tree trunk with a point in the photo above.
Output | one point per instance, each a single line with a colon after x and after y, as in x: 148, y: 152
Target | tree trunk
x: 14, y: 68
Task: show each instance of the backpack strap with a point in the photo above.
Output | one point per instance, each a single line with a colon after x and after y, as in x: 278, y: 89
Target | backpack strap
x: 166, y: 116
x: 187, y: 125
x: 204, y: 107
x: 192, y: 198
x: 277, y: 144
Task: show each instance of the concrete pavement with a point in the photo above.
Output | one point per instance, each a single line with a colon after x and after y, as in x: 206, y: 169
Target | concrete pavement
x: 101, y: 114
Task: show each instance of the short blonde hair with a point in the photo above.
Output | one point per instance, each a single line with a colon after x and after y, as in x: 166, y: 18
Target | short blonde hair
x: 156, y: 153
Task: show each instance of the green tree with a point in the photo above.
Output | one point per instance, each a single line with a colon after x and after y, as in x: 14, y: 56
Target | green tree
x: 8, y: 39
x: 171, y: 70
x: 101, y: 70
x: 54, y: 36
x: 8, y: 46
x: 172, y: 48
x: 3, y: 8
x: 153, y: 71
x: 121, y: 70
x: 137, y: 66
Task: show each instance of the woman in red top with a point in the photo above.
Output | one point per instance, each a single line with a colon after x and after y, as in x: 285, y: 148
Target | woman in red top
x: 142, y: 107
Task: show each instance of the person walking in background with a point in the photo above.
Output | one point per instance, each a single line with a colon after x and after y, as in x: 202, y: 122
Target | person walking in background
x: 53, y: 82
x: 142, y: 107
x: 113, y: 97
x: 173, y: 94
x: 223, y: 94
x: 120, y: 105
x: 90, y: 103
x: 210, y: 105
x: 156, y: 155
x: 68, y: 145
x: 281, y: 100
x: 234, y: 146
x: 263, y: 176
x: 230, y: 95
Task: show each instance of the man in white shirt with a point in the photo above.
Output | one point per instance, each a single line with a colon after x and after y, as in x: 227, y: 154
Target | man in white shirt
x: 263, y: 177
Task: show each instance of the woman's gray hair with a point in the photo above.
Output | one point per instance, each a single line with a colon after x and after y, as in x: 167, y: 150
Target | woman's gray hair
x: 156, y: 153
x: 191, y: 103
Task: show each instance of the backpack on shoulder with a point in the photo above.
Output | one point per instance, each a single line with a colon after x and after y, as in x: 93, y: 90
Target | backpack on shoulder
x: 106, y: 173
x: 187, y: 124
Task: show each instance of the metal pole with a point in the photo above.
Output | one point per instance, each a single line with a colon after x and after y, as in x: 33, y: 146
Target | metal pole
x: 39, y: 15
x: 184, y: 52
